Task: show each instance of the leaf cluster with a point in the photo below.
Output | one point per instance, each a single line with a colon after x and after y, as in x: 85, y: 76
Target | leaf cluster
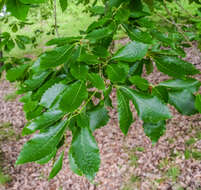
x: 68, y: 88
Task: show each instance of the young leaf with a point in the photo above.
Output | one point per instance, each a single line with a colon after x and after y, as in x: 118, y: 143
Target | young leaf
x: 57, y: 166
x: 198, y: 102
x: 55, y: 57
x: 73, y: 96
x: 98, y: 117
x: 124, y: 113
x: 183, y: 101
x: 131, y: 52
x: 46, y: 119
x: 97, y: 80
x: 42, y: 144
x: 51, y: 94
x: 175, y: 67
x: 85, y: 152
x: 154, y: 130
x: 63, y: 4
x: 150, y: 108
x: 139, y: 82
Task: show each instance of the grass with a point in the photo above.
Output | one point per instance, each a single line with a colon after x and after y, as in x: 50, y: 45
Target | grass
x: 140, y: 149
x: 4, y: 178
x: 133, y: 183
x: 163, y: 163
x: 173, y: 173
x: 134, y: 179
x: 6, y: 131
x: 190, y: 141
x: 133, y: 160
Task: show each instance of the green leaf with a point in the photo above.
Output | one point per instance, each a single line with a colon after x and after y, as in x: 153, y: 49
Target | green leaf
x: 46, y: 119
x: 179, y: 84
x: 138, y: 35
x: 9, y: 46
x: 89, y: 59
x: 17, y: 9
x: 73, y: 165
x: 37, y: 80
x: 35, y: 113
x: 149, y: 108
x: 33, y: 1
x: 139, y: 82
x: 79, y: 71
x: 63, y: 40
x: 20, y: 44
x: 131, y: 52
x: 96, y: 80
x: 2, y: 2
x: 23, y: 39
x: 198, y: 102
x: 55, y: 57
x: 85, y: 152
x: 149, y: 66
x: 47, y: 158
x: 42, y: 144
x: 136, y: 68
x: 73, y: 96
x: 63, y: 4
x: 154, y: 130
x: 107, y: 99
x: 183, y: 101
x: 161, y: 93
x: 114, y: 3
x: 173, y: 66
x: 57, y: 166
x: 101, y: 33
x: 16, y: 73
x: 98, y: 117
x: 124, y: 113
x: 116, y: 73
x: 51, y: 94
x: 48, y: 84
x: 30, y: 105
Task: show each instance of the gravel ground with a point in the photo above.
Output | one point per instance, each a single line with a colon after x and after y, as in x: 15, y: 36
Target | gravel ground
x: 126, y: 163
